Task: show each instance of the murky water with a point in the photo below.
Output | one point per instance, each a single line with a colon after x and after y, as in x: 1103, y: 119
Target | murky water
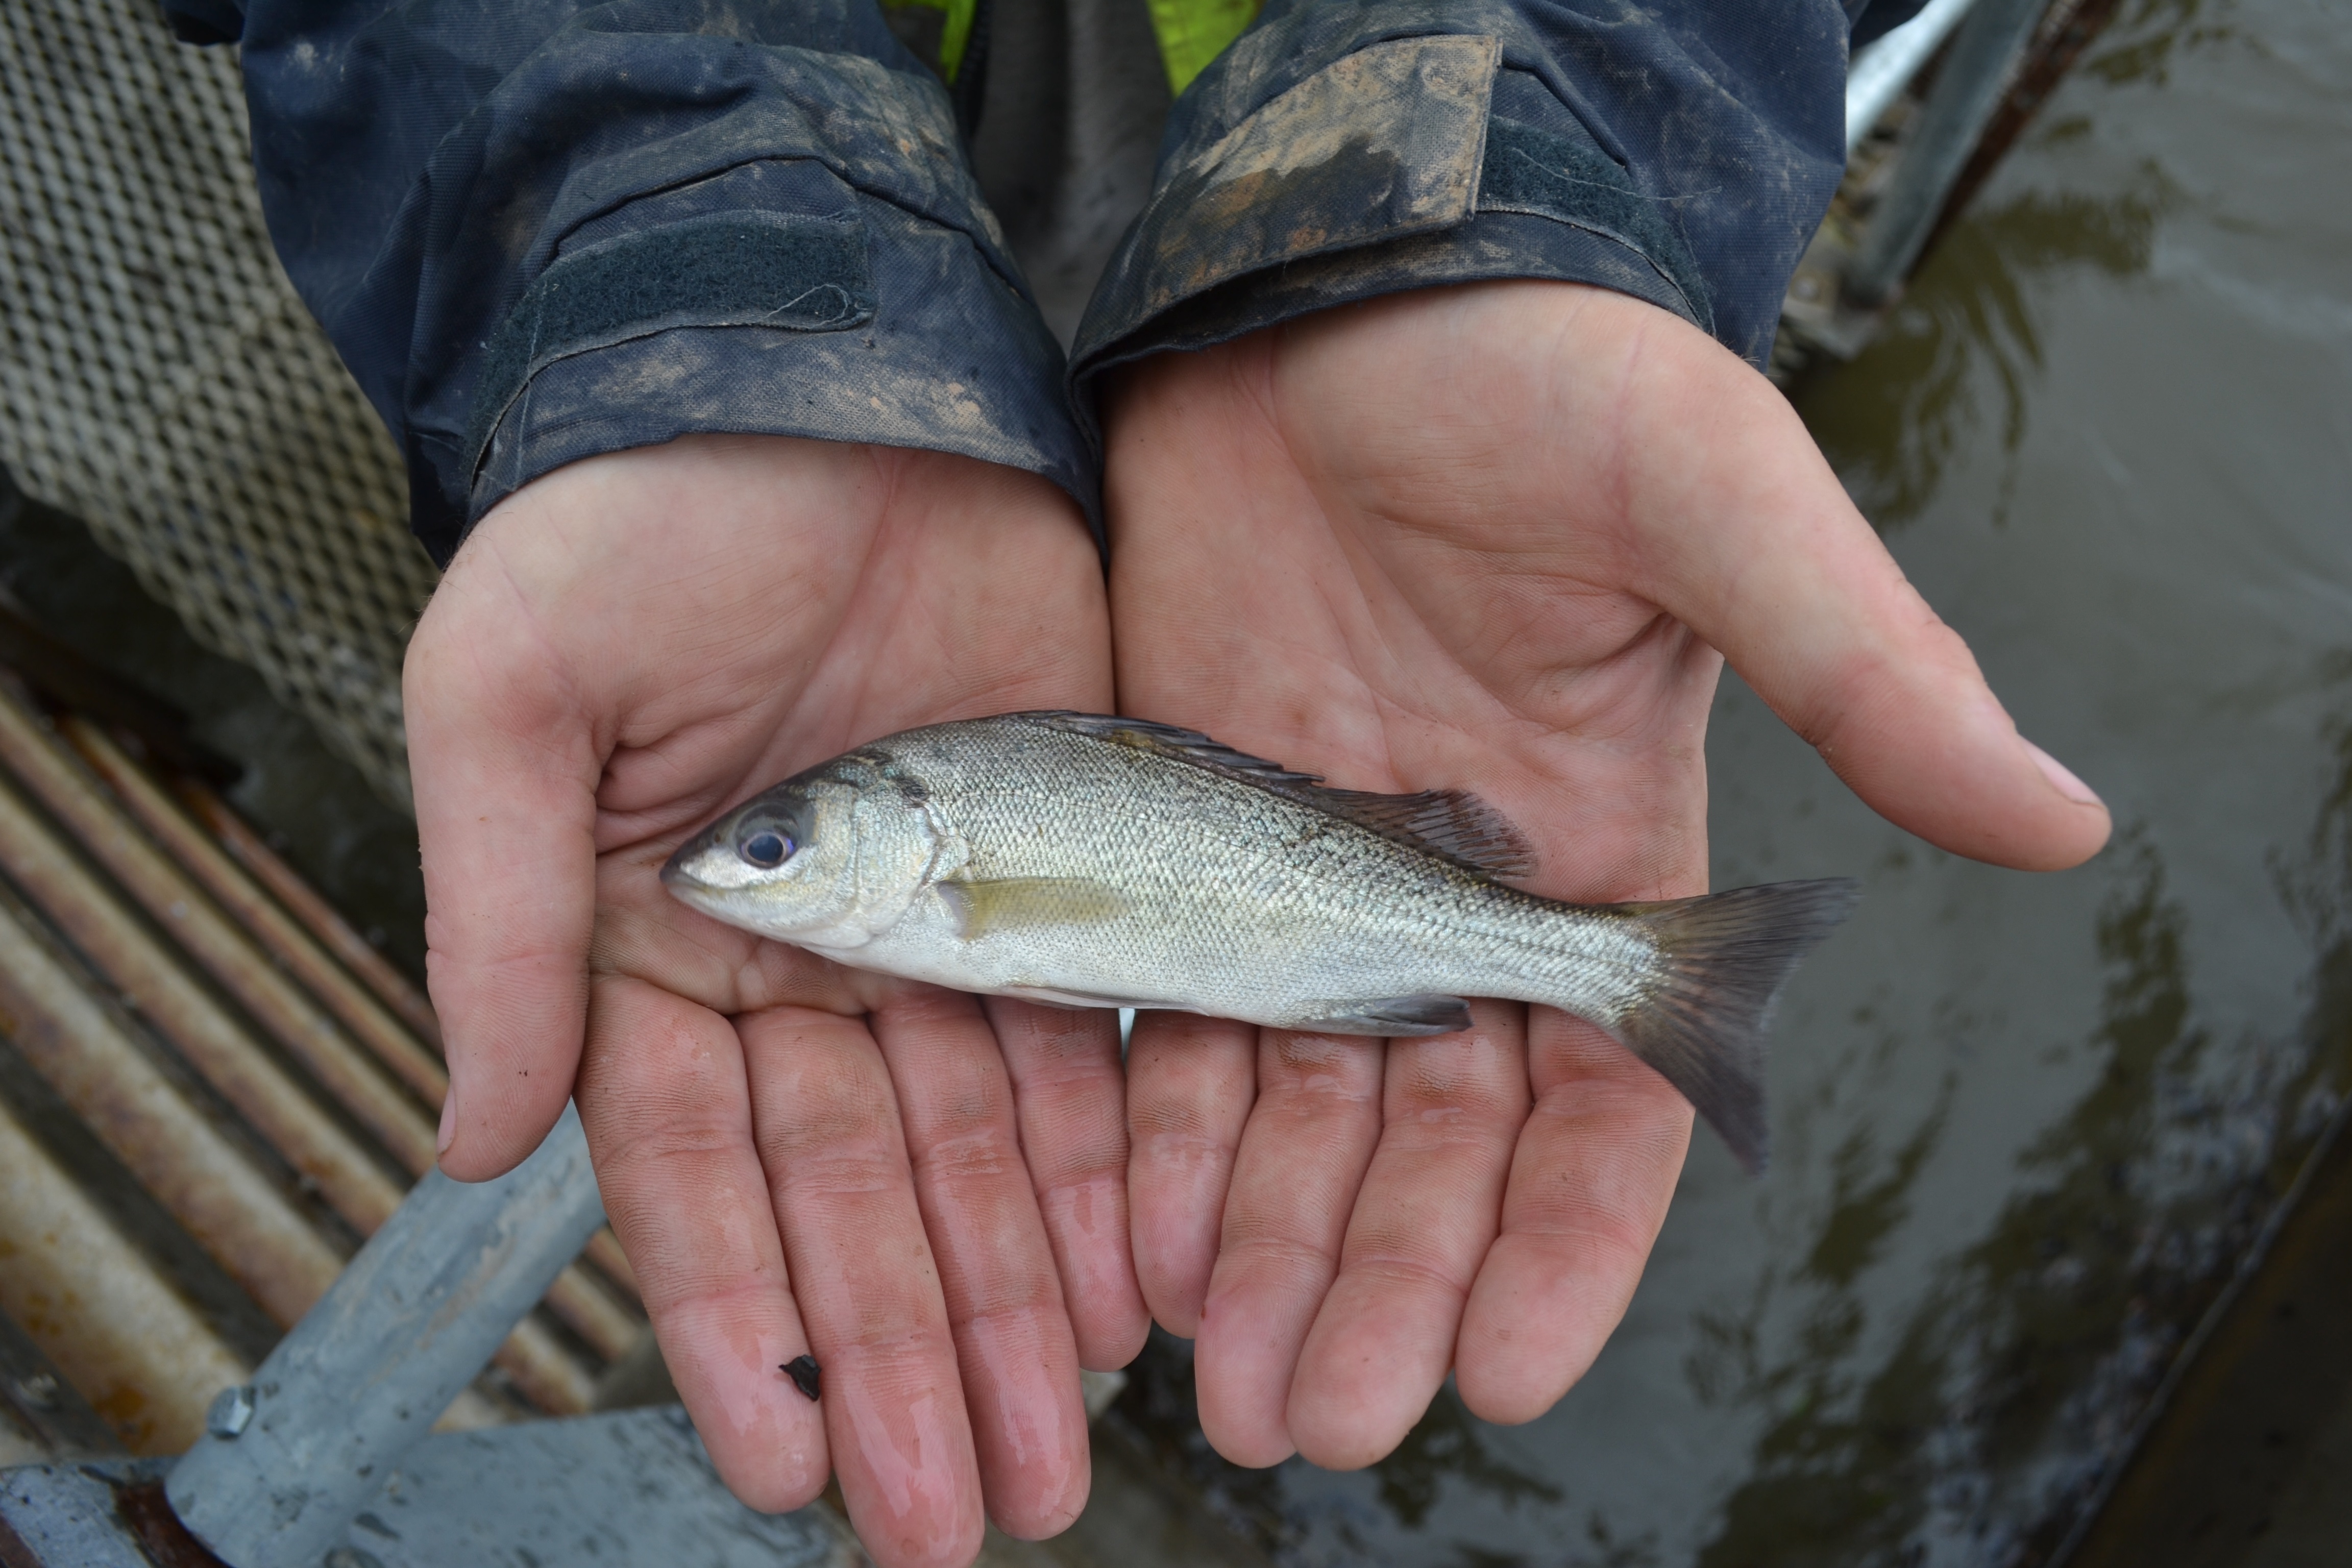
x: 2025, y: 1125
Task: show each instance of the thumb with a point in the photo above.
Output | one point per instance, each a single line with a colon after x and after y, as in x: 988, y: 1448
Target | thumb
x: 505, y: 772
x: 1751, y: 540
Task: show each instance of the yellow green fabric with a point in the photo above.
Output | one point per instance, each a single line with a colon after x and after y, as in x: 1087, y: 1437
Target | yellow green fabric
x: 1194, y: 32
x: 958, y: 30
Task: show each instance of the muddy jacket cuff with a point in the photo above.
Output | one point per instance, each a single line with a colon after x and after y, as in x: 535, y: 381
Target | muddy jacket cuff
x: 537, y: 234
x: 1681, y: 152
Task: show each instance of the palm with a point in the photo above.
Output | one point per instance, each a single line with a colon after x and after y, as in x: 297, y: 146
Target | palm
x: 796, y: 1157
x: 1486, y: 537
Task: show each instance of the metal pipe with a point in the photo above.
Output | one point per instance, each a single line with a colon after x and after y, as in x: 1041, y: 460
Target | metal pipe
x: 278, y: 934
x: 233, y: 1211
x: 167, y: 893
x: 134, y: 1349
x: 1966, y: 91
x: 114, y: 942
x: 1882, y: 69
x: 604, y: 1252
x: 609, y: 1326
x: 393, y: 988
x: 125, y: 952
x: 358, y: 1382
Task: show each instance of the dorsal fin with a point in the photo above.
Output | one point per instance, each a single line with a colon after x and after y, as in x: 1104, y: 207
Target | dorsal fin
x: 1184, y: 745
x: 1451, y: 823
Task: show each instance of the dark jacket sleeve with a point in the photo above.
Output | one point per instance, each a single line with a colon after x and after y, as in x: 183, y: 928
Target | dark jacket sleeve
x: 541, y: 229
x: 1679, y: 150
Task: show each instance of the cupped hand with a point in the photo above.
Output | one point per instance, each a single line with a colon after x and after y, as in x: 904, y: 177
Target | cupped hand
x: 1493, y: 538
x: 927, y: 1195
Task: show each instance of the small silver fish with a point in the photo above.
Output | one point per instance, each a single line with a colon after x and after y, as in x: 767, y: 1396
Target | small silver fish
x: 1100, y: 862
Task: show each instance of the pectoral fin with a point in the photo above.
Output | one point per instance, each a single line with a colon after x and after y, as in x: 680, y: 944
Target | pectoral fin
x: 1425, y: 1013
x: 1019, y: 903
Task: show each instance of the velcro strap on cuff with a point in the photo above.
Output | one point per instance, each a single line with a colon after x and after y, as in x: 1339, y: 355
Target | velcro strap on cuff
x: 786, y: 270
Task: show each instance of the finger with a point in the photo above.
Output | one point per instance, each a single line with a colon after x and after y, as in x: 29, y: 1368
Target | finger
x: 1302, y: 1157
x: 668, y: 1116
x: 1452, y: 1108
x: 1189, y: 1085
x: 1070, y: 1097
x: 1748, y: 537
x: 1591, y: 1178
x: 504, y: 771
x: 1004, y: 1298
x: 828, y: 1130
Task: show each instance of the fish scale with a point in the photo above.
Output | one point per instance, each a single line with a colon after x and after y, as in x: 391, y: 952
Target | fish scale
x: 1089, y: 860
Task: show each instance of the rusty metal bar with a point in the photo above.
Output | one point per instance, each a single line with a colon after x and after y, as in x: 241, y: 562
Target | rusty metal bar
x: 135, y: 1349
x: 90, y: 1058
x: 278, y: 934
x: 316, y: 1040
x: 392, y: 988
x: 113, y: 940
x: 608, y: 1325
x: 123, y: 949
x: 233, y: 1213
x: 169, y: 895
x: 604, y: 1252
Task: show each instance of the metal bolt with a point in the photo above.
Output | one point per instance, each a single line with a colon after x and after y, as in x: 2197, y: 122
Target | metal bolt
x: 231, y: 1411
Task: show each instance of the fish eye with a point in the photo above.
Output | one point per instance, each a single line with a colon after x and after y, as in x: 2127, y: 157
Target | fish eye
x: 767, y: 848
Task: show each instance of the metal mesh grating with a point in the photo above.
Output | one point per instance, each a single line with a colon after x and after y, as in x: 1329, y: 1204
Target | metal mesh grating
x: 159, y: 377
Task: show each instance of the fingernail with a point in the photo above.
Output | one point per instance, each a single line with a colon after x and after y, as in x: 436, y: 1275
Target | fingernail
x: 448, y: 1133
x: 2061, y: 781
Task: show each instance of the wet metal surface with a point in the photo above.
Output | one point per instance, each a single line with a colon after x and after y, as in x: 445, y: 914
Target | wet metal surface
x: 2025, y: 1126
x: 52, y: 1515
x: 357, y: 1382
x: 635, y: 1491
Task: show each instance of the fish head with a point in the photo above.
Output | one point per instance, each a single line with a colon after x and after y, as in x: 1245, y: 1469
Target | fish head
x: 827, y: 859
x: 785, y: 863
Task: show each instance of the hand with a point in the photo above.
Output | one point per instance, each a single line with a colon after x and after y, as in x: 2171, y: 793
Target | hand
x: 797, y: 1158
x: 1487, y: 537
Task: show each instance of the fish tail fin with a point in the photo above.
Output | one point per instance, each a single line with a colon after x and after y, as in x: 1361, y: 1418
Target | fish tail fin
x: 1727, y: 955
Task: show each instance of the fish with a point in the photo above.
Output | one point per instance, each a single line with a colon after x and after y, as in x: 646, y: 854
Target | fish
x: 1086, y: 861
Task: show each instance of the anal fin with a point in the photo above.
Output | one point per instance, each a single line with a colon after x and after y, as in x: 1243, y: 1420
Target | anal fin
x: 1054, y: 996
x: 1426, y: 1013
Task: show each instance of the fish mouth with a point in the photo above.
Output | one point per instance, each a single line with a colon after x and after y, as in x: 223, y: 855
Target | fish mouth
x: 701, y: 865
